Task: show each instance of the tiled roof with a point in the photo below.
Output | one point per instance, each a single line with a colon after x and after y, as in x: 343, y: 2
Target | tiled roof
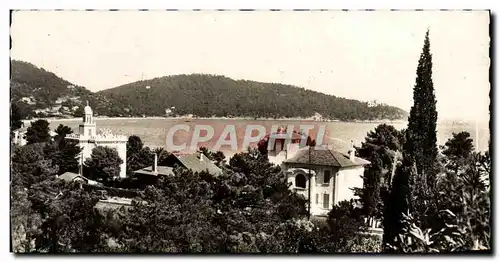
x: 70, y: 176
x: 161, y: 170
x: 325, y: 157
x: 200, y: 164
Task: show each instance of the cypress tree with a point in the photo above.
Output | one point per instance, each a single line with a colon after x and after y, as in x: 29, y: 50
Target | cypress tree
x: 420, y: 146
x: 409, y: 190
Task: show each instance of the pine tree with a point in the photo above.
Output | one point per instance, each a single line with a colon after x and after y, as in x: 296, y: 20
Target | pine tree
x: 421, y: 139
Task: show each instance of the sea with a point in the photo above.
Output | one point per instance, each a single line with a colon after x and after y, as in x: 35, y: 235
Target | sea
x: 340, y: 135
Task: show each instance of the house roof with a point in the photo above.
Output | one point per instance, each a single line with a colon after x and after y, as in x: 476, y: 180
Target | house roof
x: 70, y: 176
x: 198, y: 162
x: 161, y: 170
x: 325, y: 157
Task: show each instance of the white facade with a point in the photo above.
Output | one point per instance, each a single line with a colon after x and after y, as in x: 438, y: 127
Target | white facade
x: 325, y: 193
x: 88, y: 139
x: 19, y: 137
x: 329, y: 184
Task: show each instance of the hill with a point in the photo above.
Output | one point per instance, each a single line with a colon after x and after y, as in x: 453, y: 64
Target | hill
x: 211, y: 95
x: 39, y: 93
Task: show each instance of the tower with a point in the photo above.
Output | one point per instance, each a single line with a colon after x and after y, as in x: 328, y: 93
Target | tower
x: 88, y: 127
x: 88, y: 139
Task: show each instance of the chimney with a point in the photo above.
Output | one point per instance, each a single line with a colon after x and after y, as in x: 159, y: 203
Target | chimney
x: 352, y: 151
x: 155, y: 164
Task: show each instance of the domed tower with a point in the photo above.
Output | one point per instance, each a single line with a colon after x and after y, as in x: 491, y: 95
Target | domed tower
x: 88, y: 127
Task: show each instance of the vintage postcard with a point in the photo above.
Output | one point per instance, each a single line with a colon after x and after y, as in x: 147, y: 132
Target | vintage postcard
x: 269, y: 132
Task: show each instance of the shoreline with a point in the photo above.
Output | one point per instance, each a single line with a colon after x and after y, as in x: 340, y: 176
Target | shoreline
x: 54, y: 119
x: 187, y: 118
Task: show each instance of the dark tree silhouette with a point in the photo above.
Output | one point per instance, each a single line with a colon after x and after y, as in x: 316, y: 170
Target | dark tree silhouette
x: 420, y: 146
x: 15, y: 117
x: 38, y: 132
x: 62, y: 131
x: 458, y: 150
x: 415, y: 179
x: 134, y: 145
x: 103, y: 164
x: 381, y: 148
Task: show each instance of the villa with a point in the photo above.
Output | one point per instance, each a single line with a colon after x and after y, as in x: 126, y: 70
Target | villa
x: 321, y: 174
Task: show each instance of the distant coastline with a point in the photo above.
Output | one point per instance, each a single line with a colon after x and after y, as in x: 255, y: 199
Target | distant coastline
x: 187, y: 118
x: 59, y: 119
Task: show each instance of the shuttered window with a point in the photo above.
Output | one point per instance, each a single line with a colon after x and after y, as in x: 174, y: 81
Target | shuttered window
x: 326, y: 201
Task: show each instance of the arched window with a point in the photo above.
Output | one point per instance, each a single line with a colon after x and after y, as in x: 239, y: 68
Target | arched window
x: 300, y: 181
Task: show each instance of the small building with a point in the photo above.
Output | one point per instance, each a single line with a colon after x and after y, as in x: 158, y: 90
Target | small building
x: 197, y: 162
x: 20, y: 136
x: 155, y: 170
x: 71, y: 177
x: 113, y: 204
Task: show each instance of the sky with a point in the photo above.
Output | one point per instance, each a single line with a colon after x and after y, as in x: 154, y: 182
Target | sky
x: 357, y: 54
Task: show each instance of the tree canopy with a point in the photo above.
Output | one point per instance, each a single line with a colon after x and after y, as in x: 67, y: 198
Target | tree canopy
x: 103, y: 164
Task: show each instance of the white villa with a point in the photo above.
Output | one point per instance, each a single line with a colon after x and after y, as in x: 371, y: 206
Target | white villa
x: 88, y: 139
x: 323, y: 175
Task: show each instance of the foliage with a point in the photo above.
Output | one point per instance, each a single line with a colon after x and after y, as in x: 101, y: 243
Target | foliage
x: 345, y: 221
x: 421, y: 138
x: 134, y: 145
x: 458, y: 150
x: 15, y: 117
x: 248, y: 209
x: 62, y: 152
x: 62, y: 131
x: 139, y: 157
x: 69, y: 221
x: 30, y: 166
x: 25, y: 224
x: 414, y: 184
x: 103, y: 164
x: 38, y: 132
x: 381, y: 148
x: 395, y: 204
x: 415, y: 240
x: 46, y: 92
x: 218, y: 157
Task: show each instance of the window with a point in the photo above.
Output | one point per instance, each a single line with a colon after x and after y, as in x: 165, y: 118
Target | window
x: 326, y: 177
x: 326, y: 201
x: 300, y: 181
x: 317, y: 199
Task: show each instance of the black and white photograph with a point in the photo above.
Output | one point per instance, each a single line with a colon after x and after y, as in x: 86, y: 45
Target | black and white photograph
x: 250, y: 132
